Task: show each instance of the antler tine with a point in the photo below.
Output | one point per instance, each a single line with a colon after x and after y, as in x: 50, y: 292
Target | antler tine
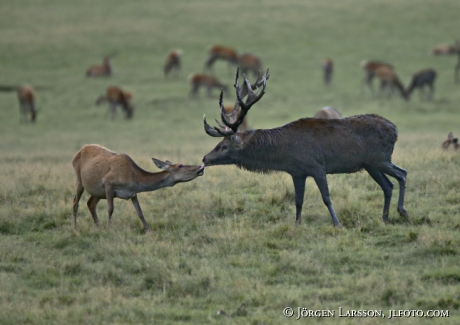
x: 215, y: 132
x: 252, y: 97
x: 212, y: 131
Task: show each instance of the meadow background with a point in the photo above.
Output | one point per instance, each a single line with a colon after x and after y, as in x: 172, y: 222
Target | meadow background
x: 229, y: 237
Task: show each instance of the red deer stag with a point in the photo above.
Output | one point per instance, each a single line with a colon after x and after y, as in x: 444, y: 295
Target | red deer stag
x: 328, y: 69
x: 310, y: 147
x: 328, y: 112
x: 173, y: 63
x: 26, y: 97
x: 106, y: 175
x: 219, y: 52
x: 117, y: 97
x: 450, y: 141
x: 369, y: 72
x: 198, y: 80
x: 102, y: 70
x: 389, y: 81
x: 420, y: 79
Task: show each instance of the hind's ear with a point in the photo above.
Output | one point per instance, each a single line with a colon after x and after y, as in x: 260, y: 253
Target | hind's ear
x: 160, y: 164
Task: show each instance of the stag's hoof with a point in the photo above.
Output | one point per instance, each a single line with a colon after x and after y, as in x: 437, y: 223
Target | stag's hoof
x: 403, y: 213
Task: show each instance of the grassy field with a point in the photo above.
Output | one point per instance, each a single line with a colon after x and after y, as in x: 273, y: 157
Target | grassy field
x: 229, y: 237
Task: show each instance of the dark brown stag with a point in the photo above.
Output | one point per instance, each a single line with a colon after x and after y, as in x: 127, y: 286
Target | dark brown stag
x: 309, y: 148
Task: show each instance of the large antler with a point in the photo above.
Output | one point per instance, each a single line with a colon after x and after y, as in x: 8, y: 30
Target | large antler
x: 231, y: 121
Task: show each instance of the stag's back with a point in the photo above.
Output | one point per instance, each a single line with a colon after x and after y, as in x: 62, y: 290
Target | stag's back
x: 335, y: 145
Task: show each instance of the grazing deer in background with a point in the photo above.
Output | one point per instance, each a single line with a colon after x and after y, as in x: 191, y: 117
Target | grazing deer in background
x: 369, y: 71
x: 422, y: 78
x: 172, y: 63
x: 219, y: 52
x: 328, y: 69
x: 457, y: 67
x: 443, y: 50
x: 249, y: 62
x: 26, y: 97
x: 310, y: 148
x: 328, y: 112
x: 117, y: 97
x: 103, y: 70
x: 105, y: 174
x: 450, y: 141
x: 389, y: 81
x: 198, y: 80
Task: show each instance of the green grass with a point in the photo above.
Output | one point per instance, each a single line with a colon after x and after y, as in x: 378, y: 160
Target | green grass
x: 227, y: 237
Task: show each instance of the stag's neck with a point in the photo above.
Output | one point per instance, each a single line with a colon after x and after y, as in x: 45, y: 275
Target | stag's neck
x: 264, y: 151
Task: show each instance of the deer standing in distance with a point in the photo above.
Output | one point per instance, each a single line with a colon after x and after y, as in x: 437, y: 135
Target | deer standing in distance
x: 420, y: 79
x: 100, y: 70
x: 443, y: 50
x: 310, y: 147
x: 105, y: 174
x: 389, y: 81
x: 173, y: 63
x: 249, y: 62
x: 457, y: 67
x: 115, y: 96
x: 198, y: 80
x: 450, y: 141
x: 328, y: 112
x: 369, y: 71
x: 328, y: 69
x: 26, y: 98
x: 220, y: 52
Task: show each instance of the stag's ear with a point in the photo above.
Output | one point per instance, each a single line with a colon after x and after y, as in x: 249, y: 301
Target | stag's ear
x: 162, y: 165
x: 237, y: 140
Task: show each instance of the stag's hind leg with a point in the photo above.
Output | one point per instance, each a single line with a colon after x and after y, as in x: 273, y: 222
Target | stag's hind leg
x: 387, y: 188
x: 321, y: 182
x: 400, y: 174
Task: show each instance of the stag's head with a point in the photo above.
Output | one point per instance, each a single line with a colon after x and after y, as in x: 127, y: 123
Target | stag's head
x: 226, y: 152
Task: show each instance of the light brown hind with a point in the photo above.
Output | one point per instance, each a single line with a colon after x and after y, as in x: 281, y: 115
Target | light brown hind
x: 105, y: 174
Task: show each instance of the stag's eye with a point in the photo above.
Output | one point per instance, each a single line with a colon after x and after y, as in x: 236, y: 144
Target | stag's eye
x: 224, y: 147
x: 180, y: 166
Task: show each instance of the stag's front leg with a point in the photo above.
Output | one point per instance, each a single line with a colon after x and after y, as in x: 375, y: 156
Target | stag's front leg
x: 321, y: 182
x: 299, y: 188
